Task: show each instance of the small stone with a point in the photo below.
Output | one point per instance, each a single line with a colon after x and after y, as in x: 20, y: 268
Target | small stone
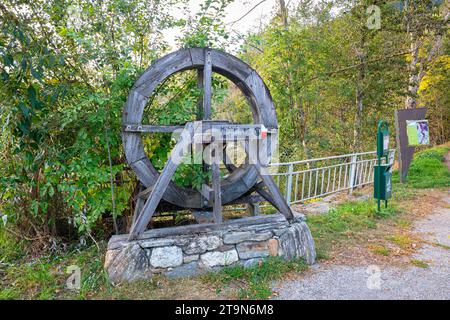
x: 163, y: 257
x: 151, y: 243
x: 238, y: 237
x: 249, y: 250
x: 273, y: 247
x: 250, y: 262
x: 297, y: 242
x: 110, y: 256
x: 225, y: 247
x: 279, y: 232
x: 215, y: 258
x: 128, y: 264
x: 190, y: 258
x: 203, y: 244
x: 186, y: 270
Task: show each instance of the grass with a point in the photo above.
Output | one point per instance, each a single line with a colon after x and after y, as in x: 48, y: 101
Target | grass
x: 419, y: 263
x: 403, y: 241
x: 428, y: 169
x: 345, y: 221
x: 45, y: 277
x: 379, y: 249
x: 254, y: 282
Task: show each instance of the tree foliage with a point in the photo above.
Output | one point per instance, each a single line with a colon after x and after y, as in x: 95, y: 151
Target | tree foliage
x: 66, y: 68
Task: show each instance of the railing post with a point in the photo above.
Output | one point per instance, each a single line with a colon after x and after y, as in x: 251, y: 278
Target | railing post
x: 289, y: 184
x: 351, y: 179
x: 391, y: 156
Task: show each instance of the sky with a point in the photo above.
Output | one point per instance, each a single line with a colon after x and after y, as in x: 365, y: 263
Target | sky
x: 233, y: 12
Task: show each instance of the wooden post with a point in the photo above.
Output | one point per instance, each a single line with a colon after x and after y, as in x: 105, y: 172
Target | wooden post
x: 351, y: 179
x: 217, y: 208
x: 289, y: 184
x: 200, y: 100
x: 253, y: 209
x: 207, y: 85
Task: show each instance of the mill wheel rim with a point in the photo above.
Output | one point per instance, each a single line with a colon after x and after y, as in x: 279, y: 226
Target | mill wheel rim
x: 242, y: 75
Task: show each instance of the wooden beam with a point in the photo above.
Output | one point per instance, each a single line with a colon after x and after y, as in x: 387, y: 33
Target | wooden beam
x: 207, y: 85
x: 253, y: 209
x: 200, y: 87
x: 259, y: 188
x: 161, y: 184
x: 277, y: 197
x: 217, y: 208
x: 139, y: 205
x: 206, y: 191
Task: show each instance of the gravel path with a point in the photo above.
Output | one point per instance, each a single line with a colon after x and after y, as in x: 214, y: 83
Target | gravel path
x: 384, y: 282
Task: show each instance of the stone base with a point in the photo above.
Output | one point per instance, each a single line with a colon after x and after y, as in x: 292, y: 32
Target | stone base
x: 194, y: 249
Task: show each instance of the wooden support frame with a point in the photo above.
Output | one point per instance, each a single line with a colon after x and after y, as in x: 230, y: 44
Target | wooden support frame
x: 247, y: 80
x: 161, y: 184
x: 158, y: 188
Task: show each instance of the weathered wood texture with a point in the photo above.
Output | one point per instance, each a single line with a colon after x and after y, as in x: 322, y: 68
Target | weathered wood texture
x: 161, y: 184
x: 241, y: 179
x: 207, y: 87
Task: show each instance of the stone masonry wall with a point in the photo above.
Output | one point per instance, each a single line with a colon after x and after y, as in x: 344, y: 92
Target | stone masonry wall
x: 190, y: 250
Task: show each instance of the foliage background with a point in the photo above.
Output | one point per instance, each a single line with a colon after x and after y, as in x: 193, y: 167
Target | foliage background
x: 66, y: 68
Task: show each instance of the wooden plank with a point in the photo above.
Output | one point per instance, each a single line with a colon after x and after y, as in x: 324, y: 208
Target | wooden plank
x: 161, y: 184
x: 217, y: 208
x: 253, y: 209
x: 200, y: 99
x: 161, y: 69
x: 251, y: 198
x: 206, y: 191
x: 262, y: 100
x: 145, y: 192
x: 139, y: 205
x: 207, y: 85
x: 277, y: 197
x: 259, y: 188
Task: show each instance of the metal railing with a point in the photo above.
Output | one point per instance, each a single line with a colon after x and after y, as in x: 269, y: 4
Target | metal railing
x: 300, y: 181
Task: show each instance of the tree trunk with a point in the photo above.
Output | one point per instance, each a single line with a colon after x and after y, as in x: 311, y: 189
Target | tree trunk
x: 413, y: 83
x: 283, y: 13
x: 359, y: 94
x: 302, y: 128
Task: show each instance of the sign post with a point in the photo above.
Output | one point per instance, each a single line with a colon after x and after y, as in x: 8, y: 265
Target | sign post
x: 382, y: 174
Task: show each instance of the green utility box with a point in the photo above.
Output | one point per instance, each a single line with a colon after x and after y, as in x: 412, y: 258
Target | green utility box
x: 382, y: 188
x: 382, y: 139
x: 383, y: 182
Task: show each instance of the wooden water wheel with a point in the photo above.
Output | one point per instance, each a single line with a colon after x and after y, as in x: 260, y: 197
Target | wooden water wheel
x: 240, y: 180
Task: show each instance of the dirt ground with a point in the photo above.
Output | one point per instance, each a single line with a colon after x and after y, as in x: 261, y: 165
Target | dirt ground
x: 406, y: 258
